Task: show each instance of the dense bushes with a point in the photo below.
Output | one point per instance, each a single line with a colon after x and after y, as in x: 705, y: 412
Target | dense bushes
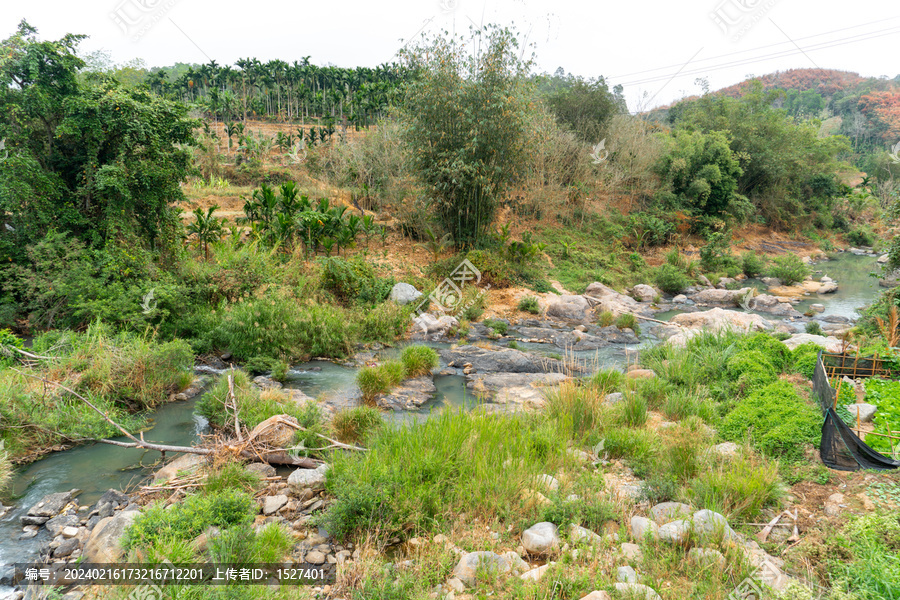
x: 670, y: 279
x: 354, y: 280
x: 789, y: 268
x: 775, y: 420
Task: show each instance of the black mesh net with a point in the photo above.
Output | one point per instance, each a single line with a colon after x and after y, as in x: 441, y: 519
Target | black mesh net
x: 841, y: 448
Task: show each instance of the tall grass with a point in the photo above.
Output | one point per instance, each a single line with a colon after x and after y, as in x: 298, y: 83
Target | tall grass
x: 740, y: 487
x: 374, y: 381
x: 579, y: 408
x: 418, y: 360
x: 420, y: 475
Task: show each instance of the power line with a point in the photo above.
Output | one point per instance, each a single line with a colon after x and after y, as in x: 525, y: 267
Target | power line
x: 765, y: 58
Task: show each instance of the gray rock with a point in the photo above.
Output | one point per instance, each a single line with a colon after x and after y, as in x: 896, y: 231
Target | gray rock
x: 536, y: 573
x: 827, y: 288
x: 596, y: 595
x: 680, y: 299
x: 479, y: 562
x: 883, y: 258
x: 409, y: 395
x: 675, y: 532
x: 614, y: 397
x: 51, y: 505
x: 308, y: 479
x: 404, y: 293
x: 114, y: 497
x: 548, y: 482
x: 771, y: 281
x: 724, y: 282
x: 105, y: 509
x: 614, y: 335
x: 57, y: 524
x: 631, y: 552
x: 607, y: 299
x: 709, y: 526
x: 30, y: 520
x: 817, y: 308
x: 260, y: 469
x: 273, y: 504
x: 579, y: 534
x: 722, y: 297
x: 501, y: 361
x: 637, y: 591
x: 541, y: 539
x: 666, y: 512
x: 569, y: 308
x: 836, y: 319
x: 864, y: 410
x: 626, y: 574
x: 707, y: 556
x: 105, y: 543
x: 267, y: 383
x: 644, y: 292
x: 641, y: 527
x: 315, y: 557
x: 726, y: 449
x: 432, y: 325
x: 66, y: 548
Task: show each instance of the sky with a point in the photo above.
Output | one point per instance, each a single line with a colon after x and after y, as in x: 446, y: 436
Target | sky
x: 656, y: 49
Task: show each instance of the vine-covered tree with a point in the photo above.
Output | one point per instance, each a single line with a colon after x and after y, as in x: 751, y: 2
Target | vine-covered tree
x: 91, y: 158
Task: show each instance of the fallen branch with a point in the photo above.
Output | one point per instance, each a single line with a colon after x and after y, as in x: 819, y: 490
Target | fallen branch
x: 29, y: 354
x: 233, y: 399
x: 283, y: 458
x: 159, y: 447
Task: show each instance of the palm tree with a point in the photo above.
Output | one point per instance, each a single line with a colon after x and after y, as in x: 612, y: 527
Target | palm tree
x: 206, y: 228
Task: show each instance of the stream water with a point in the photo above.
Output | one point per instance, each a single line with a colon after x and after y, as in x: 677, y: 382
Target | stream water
x: 98, y: 467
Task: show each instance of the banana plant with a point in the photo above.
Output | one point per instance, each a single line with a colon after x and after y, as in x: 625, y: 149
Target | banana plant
x: 230, y: 130
x: 206, y: 228
x: 436, y: 245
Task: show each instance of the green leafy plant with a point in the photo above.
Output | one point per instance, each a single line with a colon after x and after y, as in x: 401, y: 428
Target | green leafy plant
x: 789, y: 268
x: 418, y: 360
x: 530, y: 304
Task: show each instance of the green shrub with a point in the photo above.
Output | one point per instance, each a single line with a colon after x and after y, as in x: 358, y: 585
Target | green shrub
x: 716, y: 254
x: 530, y: 304
x: 739, y: 487
x: 670, y: 279
x: 628, y: 321
x: 774, y: 351
x: 861, y: 236
x: 497, y: 326
x: 813, y: 328
x: 607, y: 380
x: 354, y: 280
x: 385, y: 322
x: 635, y: 410
x: 355, y: 425
x: 419, y: 360
x: 374, y: 381
x: 233, y: 476
x: 777, y: 422
x: 605, y: 319
x: 750, y: 369
x: 753, y: 264
x: 9, y: 340
x: 594, y: 515
x: 789, y: 268
x: 419, y: 476
x: 189, y: 518
x: 804, y: 357
x: 580, y: 409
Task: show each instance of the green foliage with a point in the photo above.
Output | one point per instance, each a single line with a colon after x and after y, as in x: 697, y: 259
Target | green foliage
x: 354, y: 280
x: 886, y: 396
x: 703, y: 170
x: 585, y: 106
x: 670, y: 279
x: 451, y: 462
x: 774, y: 351
x: 91, y: 157
x: 233, y: 476
x: 813, y: 328
x: 9, y: 340
x: 635, y: 410
x: 418, y: 360
x: 861, y: 236
x: 189, y: 518
x: 466, y: 119
x: 497, y: 326
x: 628, y: 321
x: 775, y: 420
x: 594, y: 515
x: 716, y: 254
x: 607, y: 380
x: 530, y: 304
x: 789, y: 269
x: 873, y: 570
x: 606, y: 318
x: 750, y: 369
x: 373, y: 381
x: 753, y: 264
x: 739, y: 487
x: 355, y: 425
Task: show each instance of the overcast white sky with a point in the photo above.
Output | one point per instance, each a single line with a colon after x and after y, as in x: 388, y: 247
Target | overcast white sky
x: 656, y: 48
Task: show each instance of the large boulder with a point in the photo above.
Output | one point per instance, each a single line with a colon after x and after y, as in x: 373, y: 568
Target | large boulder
x: 637, y: 591
x: 51, y: 504
x: 479, y: 562
x: 716, y: 319
x: 429, y: 324
x: 404, y: 293
x: 607, y: 299
x: 541, y: 539
x: 863, y: 410
x: 105, y: 543
x: 725, y: 297
x: 308, y: 479
x: 570, y: 308
x: 774, y: 305
x: 642, y: 527
x: 485, y: 360
x: 708, y: 526
x: 409, y: 395
x: 830, y: 344
x: 644, y: 292
x: 665, y: 512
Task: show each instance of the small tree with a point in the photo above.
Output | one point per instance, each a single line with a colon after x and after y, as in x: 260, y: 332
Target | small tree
x: 465, y: 118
